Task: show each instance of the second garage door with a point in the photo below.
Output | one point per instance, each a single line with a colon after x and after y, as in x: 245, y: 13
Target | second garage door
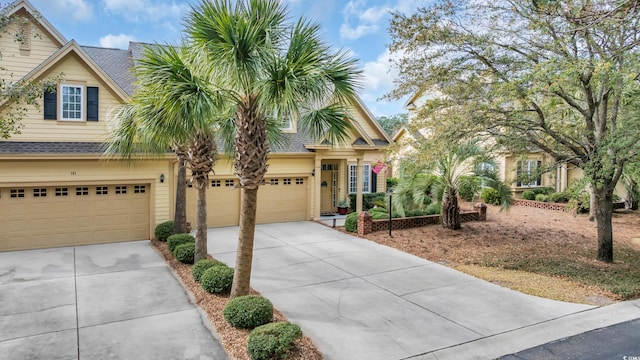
x: 50, y: 216
x: 280, y: 200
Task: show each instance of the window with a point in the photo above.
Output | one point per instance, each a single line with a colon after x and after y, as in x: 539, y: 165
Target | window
x: 215, y: 183
x: 228, y: 183
x: 40, y: 192
x: 68, y: 103
x: 286, y: 181
x: 17, y: 193
x: 273, y: 181
x: 139, y: 189
x: 353, y: 178
x: 82, y: 191
x: 299, y: 181
x: 121, y: 190
x: 102, y: 190
x: 71, y: 101
x: 62, y: 191
x: 528, y: 174
x: 287, y: 124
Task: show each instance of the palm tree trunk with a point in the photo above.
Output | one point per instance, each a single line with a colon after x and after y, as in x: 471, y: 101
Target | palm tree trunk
x: 201, y: 222
x: 450, y: 211
x: 180, y: 216
x: 244, y: 258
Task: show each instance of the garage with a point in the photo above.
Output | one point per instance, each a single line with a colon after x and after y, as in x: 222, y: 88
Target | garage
x: 65, y: 215
x: 280, y: 200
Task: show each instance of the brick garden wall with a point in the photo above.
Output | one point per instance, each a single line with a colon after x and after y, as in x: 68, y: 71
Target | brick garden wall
x: 540, y: 204
x: 366, y: 225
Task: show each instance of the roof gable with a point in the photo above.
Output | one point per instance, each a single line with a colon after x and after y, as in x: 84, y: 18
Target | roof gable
x: 16, y: 6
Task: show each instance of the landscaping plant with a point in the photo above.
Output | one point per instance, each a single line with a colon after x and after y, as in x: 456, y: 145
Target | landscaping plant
x: 248, y: 311
x: 272, y: 341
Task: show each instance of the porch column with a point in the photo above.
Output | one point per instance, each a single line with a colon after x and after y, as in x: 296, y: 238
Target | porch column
x: 317, y: 169
x: 359, y: 185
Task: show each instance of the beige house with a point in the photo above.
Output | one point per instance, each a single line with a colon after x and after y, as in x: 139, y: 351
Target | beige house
x: 56, y: 188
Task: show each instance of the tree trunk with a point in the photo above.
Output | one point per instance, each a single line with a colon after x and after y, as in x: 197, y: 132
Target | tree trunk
x: 180, y: 216
x: 604, y: 214
x: 201, y: 219
x: 593, y: 204
x: 450, y: 211
x: 244, y: 258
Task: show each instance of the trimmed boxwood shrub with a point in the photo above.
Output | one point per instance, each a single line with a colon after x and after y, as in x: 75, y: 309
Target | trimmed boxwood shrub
x: 351, y: 222
x: 542, y: 197
x: 491, y: 196
x: 185, y: 252
x: 178, y: 239
x: 416, y: 212
x: 217, y: 279
x: 434, y: 208
x: 379, y: 216
x: 248, y: 311
x: 528, y: 195
x: 163, y: 230
x: 559, y: 197
x: 272, y: 341
x: 202, y: 265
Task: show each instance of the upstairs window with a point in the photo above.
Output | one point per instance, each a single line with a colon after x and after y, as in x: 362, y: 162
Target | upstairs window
x: 71, y: 101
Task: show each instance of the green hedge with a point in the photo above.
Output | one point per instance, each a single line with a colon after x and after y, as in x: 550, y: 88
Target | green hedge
x: 272, y: 341
x: 369, y: 200
x: 163, y: 230
x: 217, y: 279
x: 185, y: 253
x: 351, y: 222
x: 248, y: 312
x: 202, y: 265
x: 178, y: 239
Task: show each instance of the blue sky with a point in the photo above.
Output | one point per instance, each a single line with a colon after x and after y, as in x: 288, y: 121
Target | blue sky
x: 359, y: 26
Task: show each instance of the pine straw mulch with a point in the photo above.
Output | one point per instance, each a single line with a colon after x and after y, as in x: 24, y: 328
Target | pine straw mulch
x: 233, y: 339
x: 490, y: 249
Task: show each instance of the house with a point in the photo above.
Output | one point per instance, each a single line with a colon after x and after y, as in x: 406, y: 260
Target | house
x: 57, y: 188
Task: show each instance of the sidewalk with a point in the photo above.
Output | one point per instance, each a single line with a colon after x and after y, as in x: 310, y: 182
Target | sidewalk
x: 360, y: 300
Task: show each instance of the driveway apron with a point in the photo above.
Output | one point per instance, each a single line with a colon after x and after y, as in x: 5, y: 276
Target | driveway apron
x: 357, y: 299
x: 112, y: 301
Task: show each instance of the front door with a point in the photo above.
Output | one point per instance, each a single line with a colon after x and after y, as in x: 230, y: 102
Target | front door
x: 328, y: 185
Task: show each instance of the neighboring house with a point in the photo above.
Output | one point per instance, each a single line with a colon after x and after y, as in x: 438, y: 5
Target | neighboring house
x: 56, y: 188
x: 518, y: 170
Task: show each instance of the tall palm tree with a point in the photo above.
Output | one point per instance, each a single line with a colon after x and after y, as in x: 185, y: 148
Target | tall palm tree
x: 174, y: 107
x: 270, y: 68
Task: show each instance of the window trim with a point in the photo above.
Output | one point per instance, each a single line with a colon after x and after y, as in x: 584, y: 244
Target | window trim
x: 83, y: 99
x: 353, y: 180
x: 530, y: 170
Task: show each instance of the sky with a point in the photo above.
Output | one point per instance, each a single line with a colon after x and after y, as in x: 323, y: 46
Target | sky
x: 358, y: 26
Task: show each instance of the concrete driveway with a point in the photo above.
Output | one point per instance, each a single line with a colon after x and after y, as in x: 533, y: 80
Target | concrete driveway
x: 113, y: 301
x: 360, y: 300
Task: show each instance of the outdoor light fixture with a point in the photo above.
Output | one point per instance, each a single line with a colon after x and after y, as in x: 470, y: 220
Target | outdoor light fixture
x: 390, y: 192
x: 313, y: 172
x: 161, y: 178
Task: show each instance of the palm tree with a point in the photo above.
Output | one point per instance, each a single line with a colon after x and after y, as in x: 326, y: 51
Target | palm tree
x: 173, y: 108
x: 269, y: 68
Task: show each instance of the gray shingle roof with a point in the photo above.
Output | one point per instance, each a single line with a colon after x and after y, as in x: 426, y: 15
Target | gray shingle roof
x: 24, y: 147
x: 116, y: 63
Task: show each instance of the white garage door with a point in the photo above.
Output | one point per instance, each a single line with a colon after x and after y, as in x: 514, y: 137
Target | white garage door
x: 50, y: 216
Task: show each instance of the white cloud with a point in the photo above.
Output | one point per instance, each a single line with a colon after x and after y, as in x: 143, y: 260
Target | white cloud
x: 350, y: 33
x: 379, y: 74
x: 120, y: 41
x: 76, y: 10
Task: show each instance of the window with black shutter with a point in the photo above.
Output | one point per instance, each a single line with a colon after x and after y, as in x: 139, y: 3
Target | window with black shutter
x: 92, y: 103
x: 50, y: 108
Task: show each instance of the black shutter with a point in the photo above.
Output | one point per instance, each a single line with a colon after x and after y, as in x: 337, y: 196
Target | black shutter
x: 519, y: 173
x: 374, y: 182
x: 92, y: 103
x: 538, y: 170
x: 50, y: 110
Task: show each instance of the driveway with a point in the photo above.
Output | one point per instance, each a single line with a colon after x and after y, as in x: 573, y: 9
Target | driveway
x: 357, y: 299
x: 113, y: 301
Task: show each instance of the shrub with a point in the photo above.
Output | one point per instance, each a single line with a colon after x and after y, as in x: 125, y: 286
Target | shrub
x: 217, y: 279
x: 542, y: 197
x: 491, y: 196
x: 528, y: 195
x: 248, y: 311
x: 392, y: 182
x: 379, y: 216
x: 178, y: 239
x: 468, y: 186
x: 272, y: 341
x: 434, y: 208
x: 202, y: 265
x: 416, y: 212
x: 351, y: 222
x: 185, y: 252
x: 369, y: 200
x: 378, y: 209
x: 163, y: 230
x: 559, y: 197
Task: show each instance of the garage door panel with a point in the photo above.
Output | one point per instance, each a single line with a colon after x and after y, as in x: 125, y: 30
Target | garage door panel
x: 284, y: 199
x: 223, y: 204
x: 73, y: 215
